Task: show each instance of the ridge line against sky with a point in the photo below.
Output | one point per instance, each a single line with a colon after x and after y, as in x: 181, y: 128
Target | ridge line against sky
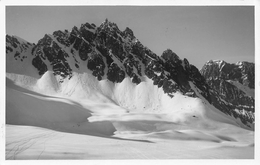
x: 198, y: 33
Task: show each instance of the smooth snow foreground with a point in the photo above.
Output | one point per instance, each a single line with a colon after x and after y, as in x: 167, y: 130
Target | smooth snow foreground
x: 28, y: 142
x: 51, y: 127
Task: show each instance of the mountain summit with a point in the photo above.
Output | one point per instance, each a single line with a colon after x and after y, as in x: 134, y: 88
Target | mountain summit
x: 234, y: 84
x: 105, y: 61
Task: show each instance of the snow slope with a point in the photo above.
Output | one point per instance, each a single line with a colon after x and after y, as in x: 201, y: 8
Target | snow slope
x: 123, y: 97
x: 39, y: 126
x: 50, y: 112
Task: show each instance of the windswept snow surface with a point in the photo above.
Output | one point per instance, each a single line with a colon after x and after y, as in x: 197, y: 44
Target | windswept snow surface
x: 92, y: 119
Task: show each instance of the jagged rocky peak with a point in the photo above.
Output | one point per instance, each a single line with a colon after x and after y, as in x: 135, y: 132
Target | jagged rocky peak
x: 128, y: 31
x: 15, y: 40
x: 109, y: 26
x: 242, y: 72
x: 103, y: 48
x: 12, y: 40
x: 186, y: 62
x: 14, y: 43
x: 74, y: 30
x: 171, y: 56
x: 46, y: 40
x: 17, y: 48
x: 113, y: 54
x: 233, y: 84
x: 62, y: 36
x: 111, y: 29
x: 88, y: 26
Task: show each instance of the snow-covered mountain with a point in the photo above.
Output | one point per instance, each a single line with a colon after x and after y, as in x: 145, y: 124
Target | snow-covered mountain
x: 102, y: 63
x: 234, y: 85
x: 97, y: 92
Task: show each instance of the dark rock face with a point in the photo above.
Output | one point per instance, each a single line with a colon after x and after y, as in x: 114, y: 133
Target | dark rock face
x: 48, y: 49
x: 40, y: 65
x: 97, y: 65
x: 115, y: 74
x: 222, y: 77
x: 17, y: 47
x: 243, y: 72
x: 114, y: 55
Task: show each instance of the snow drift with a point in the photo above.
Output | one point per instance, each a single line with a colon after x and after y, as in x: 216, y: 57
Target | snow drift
x: 81, y: 128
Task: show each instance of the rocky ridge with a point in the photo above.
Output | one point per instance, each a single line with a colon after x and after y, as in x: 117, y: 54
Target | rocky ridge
x: 234, y: 85
x: 113, y: 55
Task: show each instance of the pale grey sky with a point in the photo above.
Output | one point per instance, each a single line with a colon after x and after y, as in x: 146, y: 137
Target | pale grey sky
x: 197, y: 33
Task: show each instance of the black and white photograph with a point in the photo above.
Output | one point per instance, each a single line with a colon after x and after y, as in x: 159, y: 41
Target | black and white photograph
x: 129, y: 82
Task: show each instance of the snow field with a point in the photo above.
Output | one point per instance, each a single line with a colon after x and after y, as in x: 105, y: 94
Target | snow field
x: 83, y: 118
